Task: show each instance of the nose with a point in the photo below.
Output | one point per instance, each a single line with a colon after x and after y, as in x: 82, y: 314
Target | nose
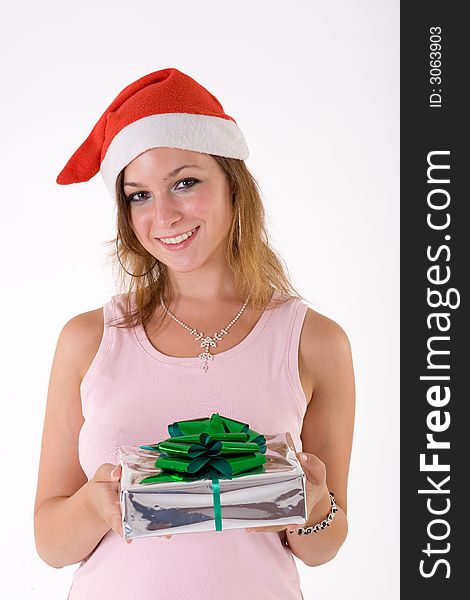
x: 164, y: 212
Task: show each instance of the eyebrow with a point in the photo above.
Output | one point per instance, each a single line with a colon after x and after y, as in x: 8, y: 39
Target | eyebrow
x: 170, y: 174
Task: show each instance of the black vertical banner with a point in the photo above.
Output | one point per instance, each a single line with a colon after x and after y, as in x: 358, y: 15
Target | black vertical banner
x: 435, y: 255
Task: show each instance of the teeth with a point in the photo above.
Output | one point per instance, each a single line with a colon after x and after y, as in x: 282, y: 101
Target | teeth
x: 179, y: 239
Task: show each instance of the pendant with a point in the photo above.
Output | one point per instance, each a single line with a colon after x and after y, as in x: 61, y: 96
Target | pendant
x: 205, y: 357
x: 207, y: 343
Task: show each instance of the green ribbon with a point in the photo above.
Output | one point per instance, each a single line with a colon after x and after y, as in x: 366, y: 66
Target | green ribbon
x: 217, y: 504
x: 208, y: 448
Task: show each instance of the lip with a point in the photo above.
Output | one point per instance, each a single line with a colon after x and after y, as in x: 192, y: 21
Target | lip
x: 184, y: 244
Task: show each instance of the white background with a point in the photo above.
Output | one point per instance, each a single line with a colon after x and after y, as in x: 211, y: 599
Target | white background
x: 314, y: 86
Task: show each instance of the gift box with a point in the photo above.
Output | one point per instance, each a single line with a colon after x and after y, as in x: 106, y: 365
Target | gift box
x: 212, y: 474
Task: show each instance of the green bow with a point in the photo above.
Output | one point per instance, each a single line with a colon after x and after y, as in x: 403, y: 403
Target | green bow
x: 209, y: 448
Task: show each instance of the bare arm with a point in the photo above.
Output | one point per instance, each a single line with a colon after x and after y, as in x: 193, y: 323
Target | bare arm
x: 71, y: 515
x: 326, y: 435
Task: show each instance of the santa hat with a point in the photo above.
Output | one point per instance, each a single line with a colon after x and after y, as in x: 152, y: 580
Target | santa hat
x: 165, y: 108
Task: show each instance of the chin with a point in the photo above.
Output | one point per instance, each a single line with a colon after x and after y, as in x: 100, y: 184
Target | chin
x: 184, y: 268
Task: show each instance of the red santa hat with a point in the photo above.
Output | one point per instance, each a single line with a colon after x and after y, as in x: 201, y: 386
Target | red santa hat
x: 165, y: 108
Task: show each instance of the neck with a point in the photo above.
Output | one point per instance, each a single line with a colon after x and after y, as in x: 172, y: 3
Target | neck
x: 206, y: 286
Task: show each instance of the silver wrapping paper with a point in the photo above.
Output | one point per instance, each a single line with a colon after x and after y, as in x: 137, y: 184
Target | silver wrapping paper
x: 275, y: 497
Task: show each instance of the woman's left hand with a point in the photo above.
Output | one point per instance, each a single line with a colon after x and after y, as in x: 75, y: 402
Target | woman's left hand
x: 315, y: 487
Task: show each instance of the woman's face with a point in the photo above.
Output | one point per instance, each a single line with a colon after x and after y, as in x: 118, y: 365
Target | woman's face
x: 173, y: 192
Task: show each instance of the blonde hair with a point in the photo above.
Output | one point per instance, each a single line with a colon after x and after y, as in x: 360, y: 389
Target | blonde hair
x: 256, y: 267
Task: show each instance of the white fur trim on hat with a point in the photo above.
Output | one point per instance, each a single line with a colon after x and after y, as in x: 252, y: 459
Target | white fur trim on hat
x: 199, y: 133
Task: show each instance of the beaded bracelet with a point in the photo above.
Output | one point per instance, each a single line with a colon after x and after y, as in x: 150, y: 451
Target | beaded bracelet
x: 325, y: 523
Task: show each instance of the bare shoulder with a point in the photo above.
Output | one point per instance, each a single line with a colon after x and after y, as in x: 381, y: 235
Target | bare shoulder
x: 81, y: 337
x: 86, y: 322
x: 324, y: 346
x: 318, y: 327
x: 328, y: 423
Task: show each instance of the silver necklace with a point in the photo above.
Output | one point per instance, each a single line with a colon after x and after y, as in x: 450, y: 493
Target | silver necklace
x: 206, y: 342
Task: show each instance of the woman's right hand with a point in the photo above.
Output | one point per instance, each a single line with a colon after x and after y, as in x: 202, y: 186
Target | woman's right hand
x: 103, y: 494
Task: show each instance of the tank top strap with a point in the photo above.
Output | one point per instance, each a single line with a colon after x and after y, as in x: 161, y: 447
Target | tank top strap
x: 104, y: 349
x: 296, y: 321
x: 117, y: 306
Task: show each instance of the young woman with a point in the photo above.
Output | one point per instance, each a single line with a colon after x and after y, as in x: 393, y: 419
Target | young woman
x: 192, y: 243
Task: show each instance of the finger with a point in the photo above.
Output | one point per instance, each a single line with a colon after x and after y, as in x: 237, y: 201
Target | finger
x: 313, y: 467
x: 116, y: 473
x: 310, y: 460
x: 264, y: 529
x: 117, y: 528
x: 107, y: 472
x: 115, y: 520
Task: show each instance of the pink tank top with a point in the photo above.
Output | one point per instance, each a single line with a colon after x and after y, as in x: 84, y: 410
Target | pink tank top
x: 129, y: 395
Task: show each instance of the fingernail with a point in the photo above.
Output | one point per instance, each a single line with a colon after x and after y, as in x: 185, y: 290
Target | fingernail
x: 303, y: 457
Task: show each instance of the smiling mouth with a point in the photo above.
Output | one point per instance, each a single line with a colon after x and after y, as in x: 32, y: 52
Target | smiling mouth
x: 180, y: 241
x: 177, y: 239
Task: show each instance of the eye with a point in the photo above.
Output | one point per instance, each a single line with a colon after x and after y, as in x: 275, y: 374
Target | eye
x: 189, y: 180
x: 135, y: 197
